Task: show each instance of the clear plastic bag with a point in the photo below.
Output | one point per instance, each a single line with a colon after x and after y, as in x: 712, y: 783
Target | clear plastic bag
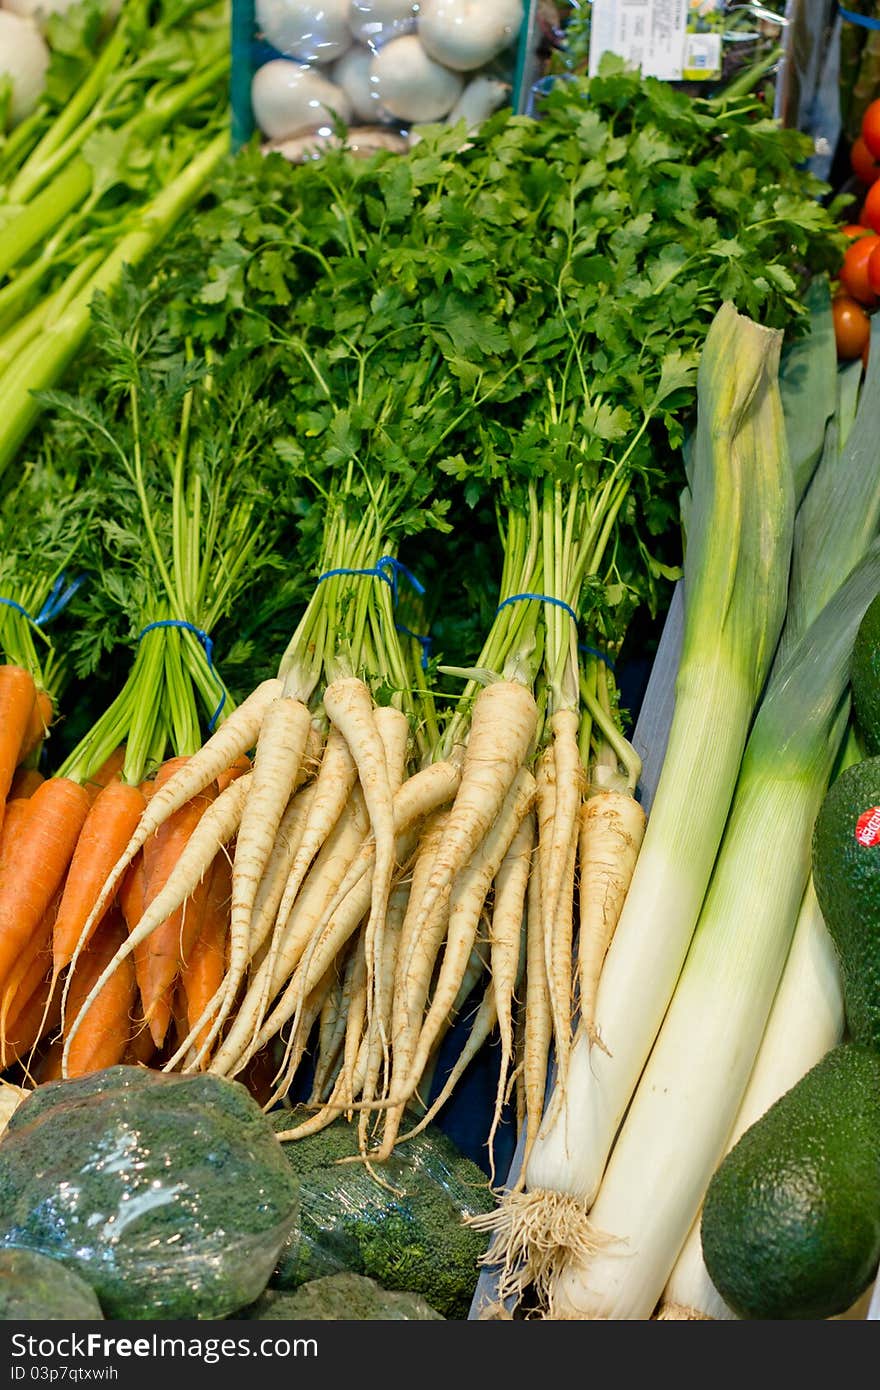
x: 379, y: 68
x: 407, y: 1232
x: 168, y: 1194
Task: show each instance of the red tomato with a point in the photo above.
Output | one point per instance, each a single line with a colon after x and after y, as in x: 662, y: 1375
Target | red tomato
x: 870, y: 214
x: 873, y: 270
x: 863, y: 164
x: 852, y: 327
x: 854, y: 271
x: 871, y: 128
x: 855, y: 229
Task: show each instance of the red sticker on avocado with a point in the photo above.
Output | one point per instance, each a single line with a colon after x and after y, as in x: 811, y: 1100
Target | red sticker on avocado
x: 868, y: 827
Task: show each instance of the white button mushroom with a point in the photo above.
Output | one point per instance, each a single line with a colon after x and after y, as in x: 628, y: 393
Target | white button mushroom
x: 410, y: 84
x: 480, y: 98
x: 352, y: 74
x: 312, y: 31
x: 290, y: 97
x: 377, y: 21
x: 24, y: 58
x: 468, y: 34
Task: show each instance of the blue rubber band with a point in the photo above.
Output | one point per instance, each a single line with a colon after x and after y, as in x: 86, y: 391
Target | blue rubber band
x: 388, y: 568
x: 865, y: 21
x: 424, y: 641
x: 59, y: 598
x: 540, y: 598
x: 208, y: 648
x: 594, y: 651
x: 558, y: 603
x: 57, y: 601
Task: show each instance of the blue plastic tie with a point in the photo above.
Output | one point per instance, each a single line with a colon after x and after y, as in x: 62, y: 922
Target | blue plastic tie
x: 539, y: 598
x: 388, y: 568
x: 57, y: 601
x: 558, y: 603
x: 594, y: 651
x: 208, y: 648
x: 59, y: 598
x: 866, y: 21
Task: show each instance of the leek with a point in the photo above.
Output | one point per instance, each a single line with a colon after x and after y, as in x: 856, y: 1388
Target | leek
x: 805, y: 1022
x: 686, y: 1103
x: 735, y: 580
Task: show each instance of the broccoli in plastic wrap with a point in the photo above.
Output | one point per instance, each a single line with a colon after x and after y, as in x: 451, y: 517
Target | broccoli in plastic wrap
x: 407, y: 1232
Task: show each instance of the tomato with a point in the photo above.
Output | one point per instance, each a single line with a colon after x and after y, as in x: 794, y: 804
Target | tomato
x: 871, y: 128
x: 852, y: 327
x: 870, y: 214
x: 863, y: 163
x: 855, y: 229
x: 854, y: 271
x: 873, y: 270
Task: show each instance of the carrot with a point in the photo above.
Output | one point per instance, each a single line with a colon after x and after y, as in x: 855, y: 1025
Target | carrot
x: 103, y: 1039
x: 108, y: 772
x: 612, y: 826
x: 235, y: 770
x: 234, y: 736
x: 44, y: 848
x: 108, y: 826
x: 171, y: 941
x: 25, y: 783
x: 17, y: 812
x: 203, y: 972
x: 141, y: 1049
x: 17, y: 696
x: 30, y: 966
x: 37, y: 728
x: 37, y: 1018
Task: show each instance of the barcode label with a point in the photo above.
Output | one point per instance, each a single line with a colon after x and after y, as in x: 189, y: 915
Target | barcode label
x: 653, y: 36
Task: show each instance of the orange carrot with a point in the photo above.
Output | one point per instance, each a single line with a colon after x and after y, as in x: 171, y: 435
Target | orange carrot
x: 44, y: 847
x: 29, y: 969
x: 141, y: 1049
x: 205, y: 969
x: 49, y: 1068
x: 33, y: 1021
x: 24, y: 784
x: 37, y: 728
x: 17, y: 812
x: 172, y: 942
x: 108, y: 772
x: 107, y: 830
x: 103, y: 1038
x: 233, y: 772
x: 17, y: 695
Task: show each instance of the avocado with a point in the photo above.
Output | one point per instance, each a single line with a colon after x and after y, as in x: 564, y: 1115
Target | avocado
x: 791, y: 1221
x: 846, y: 875
x: 865, y: 678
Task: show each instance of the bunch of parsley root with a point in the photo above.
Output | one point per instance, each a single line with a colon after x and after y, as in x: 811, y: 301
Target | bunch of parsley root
x: 380, y: 458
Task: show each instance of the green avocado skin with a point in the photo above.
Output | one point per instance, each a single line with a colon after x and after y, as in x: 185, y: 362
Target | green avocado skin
x: 865, y: 678
x: 791, y: 1221
x: 846, y: 875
